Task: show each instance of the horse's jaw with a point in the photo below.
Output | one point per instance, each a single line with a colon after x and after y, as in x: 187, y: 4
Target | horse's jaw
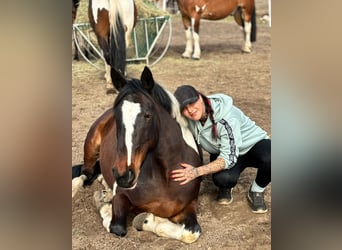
x: 130, y: 188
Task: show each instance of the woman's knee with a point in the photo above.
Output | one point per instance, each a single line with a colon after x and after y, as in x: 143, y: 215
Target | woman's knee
x: 225, y: 179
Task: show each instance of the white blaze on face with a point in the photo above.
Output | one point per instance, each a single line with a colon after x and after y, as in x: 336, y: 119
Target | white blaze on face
x: 130, y: 111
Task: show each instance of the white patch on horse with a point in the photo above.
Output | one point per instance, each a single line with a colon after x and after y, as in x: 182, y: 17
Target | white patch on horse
x: 165, y: 228
x: 115, y: 186
x: 186, y: 133
x: 99, y: 5
x: 130, y: 111
x: 200, y: 9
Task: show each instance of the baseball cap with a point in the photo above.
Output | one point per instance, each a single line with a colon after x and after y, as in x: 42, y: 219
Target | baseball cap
x: 185, y: 95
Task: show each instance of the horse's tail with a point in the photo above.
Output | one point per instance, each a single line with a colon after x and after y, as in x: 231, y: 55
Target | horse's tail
x: 117, y: 37
x: 254, y: 27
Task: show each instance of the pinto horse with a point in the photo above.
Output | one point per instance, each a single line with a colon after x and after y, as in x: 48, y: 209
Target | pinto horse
x: 113, y: 22
x: 138, y: 142
x: 194, y: 10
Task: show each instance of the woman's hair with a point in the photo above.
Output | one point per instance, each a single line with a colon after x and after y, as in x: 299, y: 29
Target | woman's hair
x: 210, y: 113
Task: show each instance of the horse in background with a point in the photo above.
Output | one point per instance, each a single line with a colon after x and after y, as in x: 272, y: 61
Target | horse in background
x: 138, y: 142
x: 194, y: 10
x: 74, y: 7
x: 113, y: 22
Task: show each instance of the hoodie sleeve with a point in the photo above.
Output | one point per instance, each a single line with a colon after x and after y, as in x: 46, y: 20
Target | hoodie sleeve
x: 230, y: 140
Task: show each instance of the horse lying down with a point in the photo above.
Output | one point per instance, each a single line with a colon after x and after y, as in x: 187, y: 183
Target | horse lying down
x: 135, y: 145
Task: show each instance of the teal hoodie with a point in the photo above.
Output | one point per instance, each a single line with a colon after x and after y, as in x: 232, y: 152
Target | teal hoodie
x: 237, y: 133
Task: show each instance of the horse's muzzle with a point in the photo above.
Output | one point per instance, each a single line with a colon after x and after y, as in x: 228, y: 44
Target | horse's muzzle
x: 126, y: 179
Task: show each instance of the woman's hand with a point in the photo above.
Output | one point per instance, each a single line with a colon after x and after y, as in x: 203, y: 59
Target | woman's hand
x: 185, y: 175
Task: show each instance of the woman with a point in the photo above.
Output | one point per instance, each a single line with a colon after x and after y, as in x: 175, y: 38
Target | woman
x: 233, y: 141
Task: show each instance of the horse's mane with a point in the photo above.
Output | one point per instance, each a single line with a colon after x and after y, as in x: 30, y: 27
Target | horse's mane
x: 158, y: 94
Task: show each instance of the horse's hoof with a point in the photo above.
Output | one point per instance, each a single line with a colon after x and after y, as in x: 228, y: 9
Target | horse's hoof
x: 118, y: 230
x: 246, y: 50
x: 77, y: 184
x: 186, y: 55
x: 139, y: 221
x: 195, y: 58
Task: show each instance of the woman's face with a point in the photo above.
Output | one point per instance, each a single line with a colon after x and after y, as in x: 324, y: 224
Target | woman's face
x: 194, y: 111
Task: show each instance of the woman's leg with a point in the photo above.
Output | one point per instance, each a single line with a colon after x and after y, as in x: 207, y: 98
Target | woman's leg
x: 259, y: 157
x: 225, y: 180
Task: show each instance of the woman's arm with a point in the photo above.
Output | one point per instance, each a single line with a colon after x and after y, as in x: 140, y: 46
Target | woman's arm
x: 188, y: 173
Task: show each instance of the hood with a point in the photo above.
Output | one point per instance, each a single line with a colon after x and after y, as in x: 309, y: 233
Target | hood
x: 221, y: 104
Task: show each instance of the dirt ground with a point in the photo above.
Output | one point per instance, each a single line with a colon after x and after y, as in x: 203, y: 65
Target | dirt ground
x: 222, y: 69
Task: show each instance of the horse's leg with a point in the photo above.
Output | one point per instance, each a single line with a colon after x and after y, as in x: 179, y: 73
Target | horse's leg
x: 103, y: 42
x: 76, y: 57
x: 248, y: 14
x: 108, y: 78
x: 160, y: 226
x: 91, y: 167
x: 185, y: 228
x: 120, y: 209
x: 195, y: 23
x: 188, y: 37
x: 102, y: 202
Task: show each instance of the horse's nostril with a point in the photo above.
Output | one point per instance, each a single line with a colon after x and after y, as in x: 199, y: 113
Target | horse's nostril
x: 125, y: 180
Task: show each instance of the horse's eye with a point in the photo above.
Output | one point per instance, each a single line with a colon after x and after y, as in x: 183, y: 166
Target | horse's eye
x: 147, y: 116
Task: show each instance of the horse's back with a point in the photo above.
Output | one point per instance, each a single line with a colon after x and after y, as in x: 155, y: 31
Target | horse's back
x: 212, y: 9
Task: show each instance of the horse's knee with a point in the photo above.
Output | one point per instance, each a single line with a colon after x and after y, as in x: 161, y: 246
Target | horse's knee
x: 92, y: 172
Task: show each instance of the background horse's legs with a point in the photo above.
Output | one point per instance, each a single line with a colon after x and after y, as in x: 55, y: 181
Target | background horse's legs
x: 104, y: 45
x: 188, y: 37
x: 246, y: 47
x: 197, y: 48
x: 108, y: 78
x: 195, y: 23
x: 248, y: 16
x: 188, y: 43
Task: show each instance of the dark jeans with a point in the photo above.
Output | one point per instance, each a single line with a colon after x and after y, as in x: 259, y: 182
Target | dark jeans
x: 259, y: 156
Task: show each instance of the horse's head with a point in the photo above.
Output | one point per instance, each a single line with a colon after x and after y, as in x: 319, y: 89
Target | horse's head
x: 137, y: 124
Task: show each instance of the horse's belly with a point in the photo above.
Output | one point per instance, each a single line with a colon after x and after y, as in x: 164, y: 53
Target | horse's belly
x: 216, y: 14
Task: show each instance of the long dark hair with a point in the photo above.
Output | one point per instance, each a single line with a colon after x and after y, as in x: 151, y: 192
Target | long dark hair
x: 209, y: 110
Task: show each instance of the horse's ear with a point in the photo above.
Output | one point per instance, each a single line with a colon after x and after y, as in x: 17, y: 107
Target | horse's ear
x: 117, y: 78
x: 147, y: 79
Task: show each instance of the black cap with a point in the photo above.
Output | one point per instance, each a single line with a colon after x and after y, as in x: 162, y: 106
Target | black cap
x: 185, y: 95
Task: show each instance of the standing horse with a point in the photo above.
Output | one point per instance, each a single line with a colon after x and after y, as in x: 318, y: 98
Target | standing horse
x: 194, y: 10
x: 138, y: 142
x: 113, y: 22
